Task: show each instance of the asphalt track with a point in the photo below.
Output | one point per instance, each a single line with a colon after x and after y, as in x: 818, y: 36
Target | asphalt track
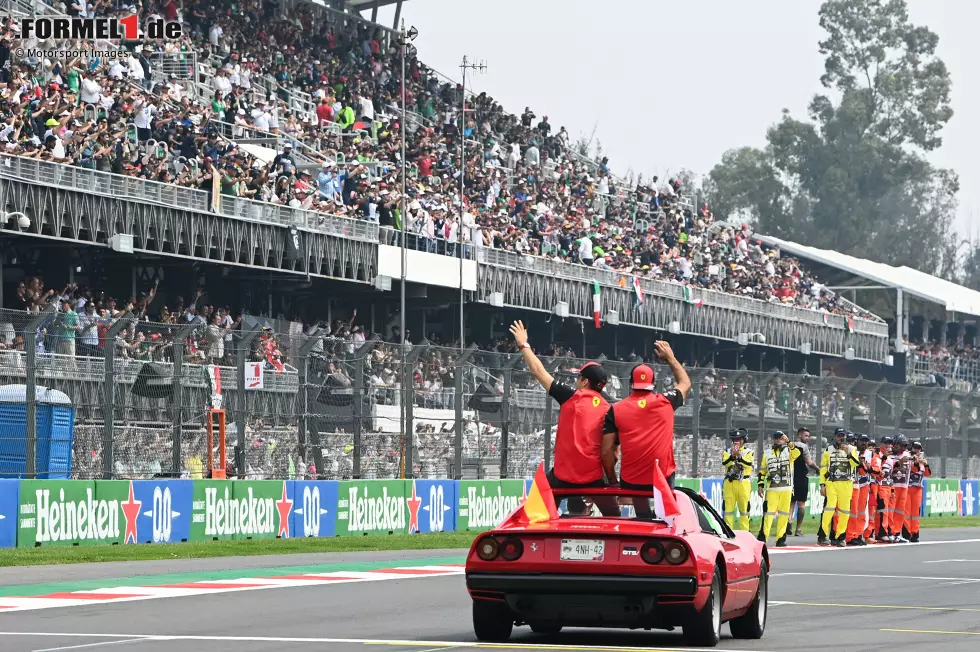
x: 900, y: 597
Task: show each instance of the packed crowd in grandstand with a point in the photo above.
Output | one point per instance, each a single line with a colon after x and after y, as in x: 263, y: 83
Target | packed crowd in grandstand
x: 528, y: 190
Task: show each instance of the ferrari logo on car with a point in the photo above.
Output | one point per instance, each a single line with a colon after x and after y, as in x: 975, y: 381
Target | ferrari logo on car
x: 642, y: 403
x: 534, y: 547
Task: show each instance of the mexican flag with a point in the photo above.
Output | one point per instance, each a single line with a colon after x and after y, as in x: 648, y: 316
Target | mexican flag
x: 596, y: 304
x: 689, y: 297
x: 850, y: 323
x: 637, y: 290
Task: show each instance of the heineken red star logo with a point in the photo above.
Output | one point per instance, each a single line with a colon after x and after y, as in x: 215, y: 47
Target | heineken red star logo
x: 131, y: 510
x: 284, y: 505
x: 414, y: 503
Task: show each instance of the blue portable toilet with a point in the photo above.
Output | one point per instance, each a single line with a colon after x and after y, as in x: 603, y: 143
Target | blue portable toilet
x: 55, y: 433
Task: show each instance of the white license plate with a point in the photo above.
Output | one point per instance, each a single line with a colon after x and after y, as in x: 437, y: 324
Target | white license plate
x: 582, y: 549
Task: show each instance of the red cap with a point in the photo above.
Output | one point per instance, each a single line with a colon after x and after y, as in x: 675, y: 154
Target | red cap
x: 643, y: 378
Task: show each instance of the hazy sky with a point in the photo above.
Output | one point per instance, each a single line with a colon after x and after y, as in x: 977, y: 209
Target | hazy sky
x: 672, y: 85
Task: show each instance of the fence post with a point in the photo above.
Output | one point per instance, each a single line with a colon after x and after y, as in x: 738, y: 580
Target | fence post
x: 109, y: 395
x: 409, y: 402
x: 944, y: 429
x: 464, y: 356
x: 357, y: 399
x: 549, y: 403
x: 242, y: 404
x: 30, y: 396
x: 178, y: 406
x: 304, y: 397
x: 818, y: 454
x: 696, y: 423
x: 964, y: 434
x: 510, y: 361
x: 730, y: 402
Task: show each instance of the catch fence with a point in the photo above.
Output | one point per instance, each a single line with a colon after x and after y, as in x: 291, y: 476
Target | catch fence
x: 304, y: 406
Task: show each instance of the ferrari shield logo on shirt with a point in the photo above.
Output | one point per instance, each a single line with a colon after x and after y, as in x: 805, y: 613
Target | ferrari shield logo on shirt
x: 596, y: 401
x: 642, y: 403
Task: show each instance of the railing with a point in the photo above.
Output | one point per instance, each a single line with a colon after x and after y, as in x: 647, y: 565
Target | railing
x: 956, y: 372
x: 117, y: 186
x: 550, y: 267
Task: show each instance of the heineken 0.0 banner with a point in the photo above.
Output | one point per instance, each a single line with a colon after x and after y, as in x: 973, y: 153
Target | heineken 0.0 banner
x: 315, y: 509
x: 373, y: 507
x: 9, y: 492
x: 970, y: 489
x: 241, y: 509
x: 65, y: 513
x: 433, y: 502
x: 164, y: 510
x: 941, y: 497
x: 483, y: 504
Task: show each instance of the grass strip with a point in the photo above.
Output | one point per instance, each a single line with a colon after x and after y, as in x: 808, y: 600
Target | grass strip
x: 245, y: 548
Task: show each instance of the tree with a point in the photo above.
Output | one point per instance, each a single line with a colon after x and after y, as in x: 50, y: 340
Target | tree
x: 853, y: 176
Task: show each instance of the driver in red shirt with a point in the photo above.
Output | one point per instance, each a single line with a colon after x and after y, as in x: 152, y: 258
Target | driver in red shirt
x: 578, y: 440
x: 642, y: 426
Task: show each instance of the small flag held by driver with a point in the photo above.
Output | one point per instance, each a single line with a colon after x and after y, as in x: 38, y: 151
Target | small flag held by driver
x: 664, y: 505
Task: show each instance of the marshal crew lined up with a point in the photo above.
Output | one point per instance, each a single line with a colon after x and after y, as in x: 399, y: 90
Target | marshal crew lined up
x: 873, y: 492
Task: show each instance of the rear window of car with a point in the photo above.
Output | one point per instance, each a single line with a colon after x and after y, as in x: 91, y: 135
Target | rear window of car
x: 606, y: 506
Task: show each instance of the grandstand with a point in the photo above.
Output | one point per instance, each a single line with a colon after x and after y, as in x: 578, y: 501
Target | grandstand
x: 235, y: 197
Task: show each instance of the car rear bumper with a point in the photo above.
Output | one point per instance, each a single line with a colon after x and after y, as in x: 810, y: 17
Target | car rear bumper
x: 592, y: 601
x: 581, y: 584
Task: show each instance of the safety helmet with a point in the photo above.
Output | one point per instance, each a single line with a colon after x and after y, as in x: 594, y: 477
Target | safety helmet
x: 887, y: 440
x: 902, y: 440
x: 917, y: 444
x: 739, y: 433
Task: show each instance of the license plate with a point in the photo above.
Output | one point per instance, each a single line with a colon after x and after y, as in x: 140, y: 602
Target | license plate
x: 582, y: 549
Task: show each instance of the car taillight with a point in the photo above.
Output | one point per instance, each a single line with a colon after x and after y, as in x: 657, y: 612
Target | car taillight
x: 511, y: 549
x: 675, y: 552
x: 652, y: 552
x: 488, y: 549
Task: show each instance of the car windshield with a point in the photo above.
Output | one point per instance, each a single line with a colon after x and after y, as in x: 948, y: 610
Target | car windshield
x: 638, y: 508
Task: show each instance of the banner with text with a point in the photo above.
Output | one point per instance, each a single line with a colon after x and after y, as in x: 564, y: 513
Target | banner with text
x: 164, y: 508
x: 970, y: 489
x: 941, y: 497
x: 9, y: 493
x: 372, y: 507
x: 315, y: 511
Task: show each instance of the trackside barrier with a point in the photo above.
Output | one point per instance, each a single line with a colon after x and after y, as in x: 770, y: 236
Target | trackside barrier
x: 36, y: 513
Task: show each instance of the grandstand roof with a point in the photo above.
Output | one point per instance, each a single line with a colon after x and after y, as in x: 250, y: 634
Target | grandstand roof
x: 955, y: 298
x: 361, y: 5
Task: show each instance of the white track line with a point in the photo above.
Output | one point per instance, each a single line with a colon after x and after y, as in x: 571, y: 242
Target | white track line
x: 875, y: 546
x: 440, y: 645
x: 880, y: 577
x: 99, y: 644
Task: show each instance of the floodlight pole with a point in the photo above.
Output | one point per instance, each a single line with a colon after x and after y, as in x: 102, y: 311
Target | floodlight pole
x: 479, y: 67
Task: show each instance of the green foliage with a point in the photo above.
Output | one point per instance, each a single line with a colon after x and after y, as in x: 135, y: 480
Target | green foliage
x: 853, y: 177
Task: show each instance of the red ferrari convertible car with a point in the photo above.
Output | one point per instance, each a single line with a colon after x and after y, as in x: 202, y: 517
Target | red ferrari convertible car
x: 607, y: 561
